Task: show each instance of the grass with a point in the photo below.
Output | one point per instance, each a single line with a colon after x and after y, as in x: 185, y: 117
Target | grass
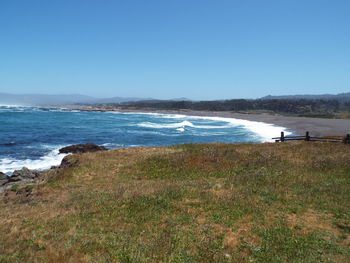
x: 286, y: 202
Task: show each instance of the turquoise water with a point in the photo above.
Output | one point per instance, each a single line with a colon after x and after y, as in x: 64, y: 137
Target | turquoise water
x: 31, y: 136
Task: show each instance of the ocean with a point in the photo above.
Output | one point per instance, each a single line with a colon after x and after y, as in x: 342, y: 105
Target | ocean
x: 32, y: 136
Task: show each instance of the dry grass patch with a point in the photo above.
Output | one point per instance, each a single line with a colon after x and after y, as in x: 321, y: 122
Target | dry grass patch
x: 312, y: 221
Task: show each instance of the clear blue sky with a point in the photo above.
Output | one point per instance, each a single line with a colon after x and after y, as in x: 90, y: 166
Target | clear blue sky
x: 199, y: 49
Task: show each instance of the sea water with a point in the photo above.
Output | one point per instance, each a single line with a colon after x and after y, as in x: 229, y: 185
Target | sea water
x: 32, y: 136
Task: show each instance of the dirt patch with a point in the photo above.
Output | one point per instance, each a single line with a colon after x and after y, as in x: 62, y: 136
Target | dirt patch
x: 231, y: 240
x: 67, y: 255
x: 233, y: 237
x: 242, y: 235
x: 222, y: 192
x: 201, y: 219
x: 313, y: 220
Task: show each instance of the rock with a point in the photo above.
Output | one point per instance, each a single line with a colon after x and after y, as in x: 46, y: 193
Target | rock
x: 82, y: 148
x: 4, y: 179
x: 67, y: 161
x: 23, y: 174
x: 2, y: 175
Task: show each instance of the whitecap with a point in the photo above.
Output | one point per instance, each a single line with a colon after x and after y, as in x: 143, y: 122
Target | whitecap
x: 182, y: 124
x: 165, y: 125
x: 113, y: 145
x: 53, y: 158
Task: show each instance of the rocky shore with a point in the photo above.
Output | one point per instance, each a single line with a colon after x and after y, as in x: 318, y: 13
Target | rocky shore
x: 26, y: 176
x: 22, y: 176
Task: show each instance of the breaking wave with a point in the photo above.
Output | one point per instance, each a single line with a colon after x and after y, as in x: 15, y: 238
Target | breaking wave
x: 182, y: 124
x: 263, y: 130
x: 53, y: 158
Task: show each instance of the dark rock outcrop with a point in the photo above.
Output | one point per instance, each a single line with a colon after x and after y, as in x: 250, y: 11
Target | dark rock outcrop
x: 82, y: 148
x: 18, y: 177
x: 4, y: 179
x: 23, y: 174
x: 67, y: 161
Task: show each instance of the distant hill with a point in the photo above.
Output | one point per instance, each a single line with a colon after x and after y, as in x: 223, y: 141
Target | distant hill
x: 67, y: 99
x: 43, y: 99
x: 181, y: 99
x: 118, y: 100
x: 339, y: 97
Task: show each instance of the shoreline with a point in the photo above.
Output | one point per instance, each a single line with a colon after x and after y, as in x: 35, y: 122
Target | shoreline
x: 288, y: 124
x: 296, y: 125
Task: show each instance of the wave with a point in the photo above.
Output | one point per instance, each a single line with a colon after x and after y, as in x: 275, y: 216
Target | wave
x: 53, y: 158
x: 13, y: 105
x: 12, y: 108
x: 36, y: 108
x: 264, y: 131
x: 113, y: 145
x: 181, y: 129
x: 182, y: 124
x: 168, y: 125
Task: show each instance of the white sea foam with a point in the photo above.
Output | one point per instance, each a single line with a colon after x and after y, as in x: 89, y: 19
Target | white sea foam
x: 53, y: 158
x: 167, y: 125
x: 11, y: 105
x: 265, y: 131
x: 113, y: 145
x: 182, y: 124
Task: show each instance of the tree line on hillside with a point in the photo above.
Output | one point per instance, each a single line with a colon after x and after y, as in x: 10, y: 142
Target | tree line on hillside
x: 285, y: 106
x: 343, y: 97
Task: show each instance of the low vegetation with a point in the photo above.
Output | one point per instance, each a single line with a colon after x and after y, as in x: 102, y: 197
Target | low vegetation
x: 273, y: 202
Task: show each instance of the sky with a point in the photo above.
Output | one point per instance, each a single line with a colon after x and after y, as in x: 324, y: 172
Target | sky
x: 198, y: 49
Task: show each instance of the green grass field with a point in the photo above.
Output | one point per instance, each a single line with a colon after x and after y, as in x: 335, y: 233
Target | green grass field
x: 273, y: 202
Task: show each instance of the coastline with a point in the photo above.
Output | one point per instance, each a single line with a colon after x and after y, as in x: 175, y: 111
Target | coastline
x: 296, y: 125
x: 265, y: 125
x: 263, y: 131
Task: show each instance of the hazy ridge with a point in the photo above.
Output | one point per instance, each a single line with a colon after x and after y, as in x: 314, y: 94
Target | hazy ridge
x: 59, y: 99
x: 69, y: 99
